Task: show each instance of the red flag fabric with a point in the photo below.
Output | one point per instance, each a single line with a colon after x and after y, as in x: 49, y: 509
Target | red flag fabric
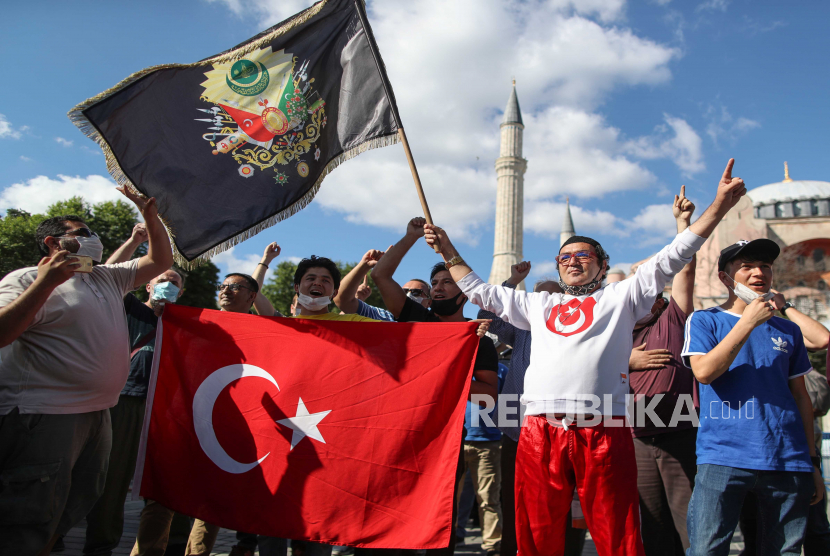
x: 339, y: 432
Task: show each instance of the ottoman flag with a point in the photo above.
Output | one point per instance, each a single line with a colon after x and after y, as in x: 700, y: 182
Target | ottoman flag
x: 340, y: 432
x: 237, y: 142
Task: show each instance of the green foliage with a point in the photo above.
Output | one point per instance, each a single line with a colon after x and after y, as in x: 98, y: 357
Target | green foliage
x: 18, y: 248
x: 279, y: 289
x: 819, y: 361
x: 200, y: 286
x: 113, y: 222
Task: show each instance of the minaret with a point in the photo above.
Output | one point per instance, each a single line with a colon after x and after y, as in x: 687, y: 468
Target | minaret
x: 567, y: 224
x: 510, y: 169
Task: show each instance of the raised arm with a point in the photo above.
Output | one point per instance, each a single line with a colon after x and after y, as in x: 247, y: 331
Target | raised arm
x: 683, y: 287
x: 391, y: 292
x: 16, y: 317
x: 346, y: 298
x: 261, y: 304
x: 816, y: 336
x: 127, y: 249
x: 159, y: 255
x: 730, y: 190
x: 710, y: 366
x: 507, y: 304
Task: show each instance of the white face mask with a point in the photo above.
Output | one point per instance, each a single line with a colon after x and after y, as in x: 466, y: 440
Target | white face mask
x: 415, y: 298
x: 90, y: 247
x: 313, y: 303
x: 747, y: 295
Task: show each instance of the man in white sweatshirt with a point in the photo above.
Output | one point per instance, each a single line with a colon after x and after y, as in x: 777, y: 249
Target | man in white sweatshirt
x: 581, y: 342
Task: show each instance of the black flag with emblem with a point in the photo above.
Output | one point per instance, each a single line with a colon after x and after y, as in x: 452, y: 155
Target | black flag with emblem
x: 237, y: 142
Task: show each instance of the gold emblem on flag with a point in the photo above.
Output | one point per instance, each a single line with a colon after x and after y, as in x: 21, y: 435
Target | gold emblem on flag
x: 265, y: 112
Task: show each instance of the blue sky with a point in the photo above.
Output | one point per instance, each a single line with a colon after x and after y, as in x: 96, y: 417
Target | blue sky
x: 623, y: 102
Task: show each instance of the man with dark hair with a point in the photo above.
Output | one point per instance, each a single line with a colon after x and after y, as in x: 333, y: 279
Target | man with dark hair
x: 509, y: 413
x: 65, y: 348
x: 447, y: 306
x: 664, y: 428
x: 105, y: 522
x: 578, y: 373
x: 237, y: 293
x: 756, y: 422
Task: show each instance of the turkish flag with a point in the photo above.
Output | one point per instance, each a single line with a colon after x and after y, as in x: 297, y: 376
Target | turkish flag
x: 332, y: 431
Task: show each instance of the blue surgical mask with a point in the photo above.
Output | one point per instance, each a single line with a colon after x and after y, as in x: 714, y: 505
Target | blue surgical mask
x: 167, y: 291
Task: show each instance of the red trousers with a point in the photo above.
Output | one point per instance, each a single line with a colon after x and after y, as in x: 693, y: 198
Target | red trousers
x: 599, y: 462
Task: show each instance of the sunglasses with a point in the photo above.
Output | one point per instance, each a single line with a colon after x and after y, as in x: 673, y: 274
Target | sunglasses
x: 416, y: 292
x: 82, y: 232
x: 581, y: 256
x: 233, y: 287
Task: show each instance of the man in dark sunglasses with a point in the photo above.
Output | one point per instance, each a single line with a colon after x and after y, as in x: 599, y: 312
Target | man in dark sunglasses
x: 574, y: 434
x: 65, y: 359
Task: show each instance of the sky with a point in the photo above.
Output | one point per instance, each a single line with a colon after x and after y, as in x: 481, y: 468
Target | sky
x: 622, y: 103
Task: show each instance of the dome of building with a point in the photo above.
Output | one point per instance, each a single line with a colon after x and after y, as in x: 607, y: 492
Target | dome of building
x: 791, y: 198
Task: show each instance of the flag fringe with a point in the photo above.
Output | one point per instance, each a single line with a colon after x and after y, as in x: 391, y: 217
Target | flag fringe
x: 76, y: 116
x: 376, y: 143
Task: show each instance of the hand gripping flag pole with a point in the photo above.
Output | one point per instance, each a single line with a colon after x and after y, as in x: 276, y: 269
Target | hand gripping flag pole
x: 361, y: 11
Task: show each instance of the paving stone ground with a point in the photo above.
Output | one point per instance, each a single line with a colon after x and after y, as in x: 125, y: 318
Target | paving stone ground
x: 74, y: 541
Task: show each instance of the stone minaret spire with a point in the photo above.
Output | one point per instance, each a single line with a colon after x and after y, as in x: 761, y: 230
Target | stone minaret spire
x: 567, y: 224
x: 510, y: 169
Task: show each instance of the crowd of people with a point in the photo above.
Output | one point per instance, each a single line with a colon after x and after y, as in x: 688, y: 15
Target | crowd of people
x: 664, y: 426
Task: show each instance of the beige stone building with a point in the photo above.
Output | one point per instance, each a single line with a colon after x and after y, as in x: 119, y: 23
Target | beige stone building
x: 796, y: 215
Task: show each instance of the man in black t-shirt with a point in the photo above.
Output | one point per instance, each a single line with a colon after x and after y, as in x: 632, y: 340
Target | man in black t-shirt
x: 447, y: 306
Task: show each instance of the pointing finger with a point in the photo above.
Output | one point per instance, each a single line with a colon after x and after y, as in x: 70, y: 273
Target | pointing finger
x: 727, y: 174
x: 683, y: 191
x: 366, y: 280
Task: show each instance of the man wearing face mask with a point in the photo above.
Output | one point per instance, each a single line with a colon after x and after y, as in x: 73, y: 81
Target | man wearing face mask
x: 576, y: 386
x: 236, y: 295
x: 665, y: 445
x: 447, y: 306
x: 755, y: 412
x: 105, y: 522
x: 65, y: 350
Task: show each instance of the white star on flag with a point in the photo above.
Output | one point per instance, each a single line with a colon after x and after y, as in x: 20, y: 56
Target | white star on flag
x: 304, y: 424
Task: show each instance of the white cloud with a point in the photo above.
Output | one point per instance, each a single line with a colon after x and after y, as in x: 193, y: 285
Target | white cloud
x: 451, y: 72
x: 36, y: 194
x: 676, y: 140
x: 63, y: 142
x: 561, y: 143
x: 722, y: 126
x: 25, y: 158
x: 228, y: 262
x: 713, y: 5
x: 653, y: 224
x: 7, y: 131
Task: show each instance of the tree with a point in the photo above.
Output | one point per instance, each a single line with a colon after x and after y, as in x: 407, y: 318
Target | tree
x: 279, y: 289
x: 113, y: 222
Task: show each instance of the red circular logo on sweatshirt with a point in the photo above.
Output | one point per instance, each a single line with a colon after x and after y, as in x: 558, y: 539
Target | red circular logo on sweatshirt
x: 571, y: 318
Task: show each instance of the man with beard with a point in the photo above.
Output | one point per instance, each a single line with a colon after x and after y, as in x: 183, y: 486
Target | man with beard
x: 665, y: 444
x: 64, y: 362
x: 581, y: 343
x: 447, y: 306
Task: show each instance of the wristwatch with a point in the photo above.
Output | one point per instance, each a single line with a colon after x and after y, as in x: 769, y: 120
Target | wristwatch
x: 786, y: 306
x: 454, y: 261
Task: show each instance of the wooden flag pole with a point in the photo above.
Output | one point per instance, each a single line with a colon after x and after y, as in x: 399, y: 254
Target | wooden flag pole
x: 417, y: 179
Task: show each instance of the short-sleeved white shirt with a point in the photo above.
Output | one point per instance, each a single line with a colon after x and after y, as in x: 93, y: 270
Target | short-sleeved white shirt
x: 75, y: 356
